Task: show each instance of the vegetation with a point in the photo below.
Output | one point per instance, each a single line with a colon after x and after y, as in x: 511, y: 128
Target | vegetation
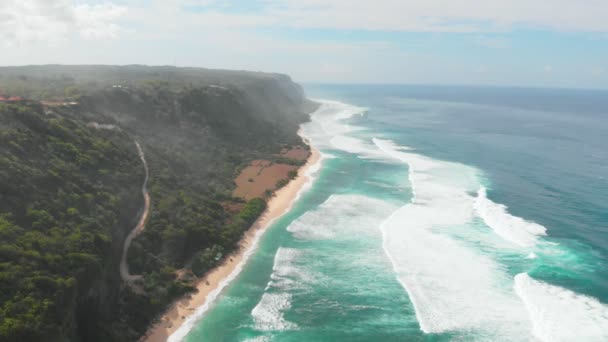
x: 70, y: 193
x: 281, y: 183
x: 206, y: 259
x: 60, y: 212
x: 289, y: 161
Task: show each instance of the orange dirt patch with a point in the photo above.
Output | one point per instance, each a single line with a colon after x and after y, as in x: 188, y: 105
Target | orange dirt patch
x: 255, y: 180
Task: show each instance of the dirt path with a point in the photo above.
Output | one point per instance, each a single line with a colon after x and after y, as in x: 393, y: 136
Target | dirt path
x: 124, y: 267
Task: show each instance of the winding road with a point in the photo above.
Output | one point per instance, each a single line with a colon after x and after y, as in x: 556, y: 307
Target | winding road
x: 124, y: 267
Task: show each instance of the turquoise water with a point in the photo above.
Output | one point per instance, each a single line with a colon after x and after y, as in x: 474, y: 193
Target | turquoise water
x: 439, y: 214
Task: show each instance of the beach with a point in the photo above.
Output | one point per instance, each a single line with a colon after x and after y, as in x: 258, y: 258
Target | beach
x: 210, y: 284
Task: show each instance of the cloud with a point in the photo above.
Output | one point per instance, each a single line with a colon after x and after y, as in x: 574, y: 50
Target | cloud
x: 548, y: 69
x: 467, y: 16
x: 99, y: 21
x: 428, y: 15
x: 35, y: 21
x: 443, y: 15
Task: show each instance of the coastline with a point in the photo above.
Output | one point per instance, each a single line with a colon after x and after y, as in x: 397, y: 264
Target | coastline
x: 211, y: 284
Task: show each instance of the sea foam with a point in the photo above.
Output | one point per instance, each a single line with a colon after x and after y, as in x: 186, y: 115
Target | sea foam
x: 511, y: 228
x: 453, y: 287
x: 559, y: 314
x: 286, y: 276
x: 341, y: 214
x: 329, y: 122
x: 340, y: 218
x: 268, y: 314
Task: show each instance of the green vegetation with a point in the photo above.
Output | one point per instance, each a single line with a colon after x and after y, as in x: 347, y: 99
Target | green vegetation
x: 268, y: 193
x: 59, y: 216
x: 206, y: 259
x: 289, y: 161
x: 281, y: 183
x: 70, y: 193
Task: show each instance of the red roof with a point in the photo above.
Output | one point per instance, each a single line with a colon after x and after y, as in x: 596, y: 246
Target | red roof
x: 15, y: 98
x: 2, y: 98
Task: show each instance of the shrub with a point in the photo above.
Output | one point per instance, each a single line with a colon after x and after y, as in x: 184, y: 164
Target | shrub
x: 281, y: 183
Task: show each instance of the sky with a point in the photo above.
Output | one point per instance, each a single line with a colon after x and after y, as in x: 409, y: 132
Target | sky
x: 540, y: 43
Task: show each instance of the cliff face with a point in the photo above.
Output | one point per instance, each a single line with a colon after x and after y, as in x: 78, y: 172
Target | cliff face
x: 66, y: 177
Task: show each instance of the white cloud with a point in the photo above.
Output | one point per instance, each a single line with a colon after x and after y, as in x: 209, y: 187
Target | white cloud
x: 548, y: 69
x: 441, y: 15
x: 388, y: 15
x: 35, y: 21
x: 99, y: 21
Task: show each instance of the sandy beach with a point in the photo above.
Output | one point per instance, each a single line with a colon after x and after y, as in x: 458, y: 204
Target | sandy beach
x: 279, y: 204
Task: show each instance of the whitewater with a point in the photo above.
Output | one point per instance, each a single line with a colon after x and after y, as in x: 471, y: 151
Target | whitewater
x: 389, y: 243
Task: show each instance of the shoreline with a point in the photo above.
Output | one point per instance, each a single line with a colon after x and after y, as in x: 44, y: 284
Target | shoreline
x: 186, y: 308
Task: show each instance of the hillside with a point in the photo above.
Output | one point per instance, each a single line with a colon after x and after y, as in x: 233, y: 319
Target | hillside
x: 70, y: 181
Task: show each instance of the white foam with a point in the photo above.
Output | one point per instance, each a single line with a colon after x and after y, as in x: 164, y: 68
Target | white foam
x: 531, y: 255
x: 511, y: 228
x: 559, y: 314
x: 287, y: 274
x: 262, y: 338
x: 453, y: 287
x: 268, y: 314
x: 329, y: 121
x: 339, y: 215
x: 338, y: 110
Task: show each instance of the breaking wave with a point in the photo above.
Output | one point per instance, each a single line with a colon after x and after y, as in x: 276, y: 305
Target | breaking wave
x: 511, y: 228
x: 341, y: 214
x: 268, y: 314
x: 453, y: 287
x: 559, y: 314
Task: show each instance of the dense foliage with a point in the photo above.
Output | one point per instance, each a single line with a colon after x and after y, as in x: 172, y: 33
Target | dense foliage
x: 66, y: 193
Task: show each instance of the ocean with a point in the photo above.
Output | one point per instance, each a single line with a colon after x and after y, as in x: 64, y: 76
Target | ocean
x: 436, y: 214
